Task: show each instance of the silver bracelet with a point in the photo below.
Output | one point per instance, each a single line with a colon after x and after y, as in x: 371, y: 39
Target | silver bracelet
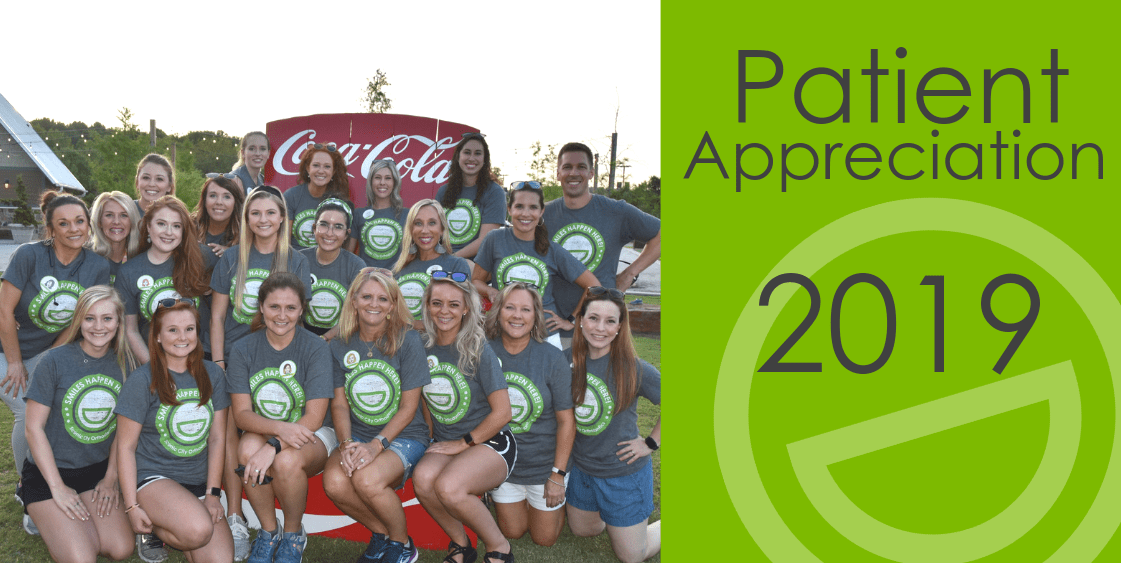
x: 556, y: 483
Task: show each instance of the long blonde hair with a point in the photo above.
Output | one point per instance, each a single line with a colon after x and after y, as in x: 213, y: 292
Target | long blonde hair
x: 397, y: 322
x: 471, y: 338
x: 120, y: 345
x: 407, y: 238
x: 247, y: 239
x: 98, y: 241
x: 494, y: 328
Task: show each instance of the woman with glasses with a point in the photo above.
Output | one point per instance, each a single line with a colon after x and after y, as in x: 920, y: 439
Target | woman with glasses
x: 332, y: 268
x: 217, y: 216
x: 70, y: 481
x: 116, y: 235
x: 472, y: 197
x: 379, y: 227
x: 425, y: 250
x: 474, y: 450
x: 280, y: 383
x: 540, y: 384
x: 155, y: 178
x: 38, y: 293
x: 380, y: 368
x: 170, y: 264
x: 171, y: 420
x: 251, y: 158
x: 322, y: 176
x: 612, y: 481
x: 262, y: 249
x: 525, y: 253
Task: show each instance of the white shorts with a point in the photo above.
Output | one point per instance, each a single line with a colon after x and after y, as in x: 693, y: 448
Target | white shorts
x: 326, y: 434
x: 535, y: 494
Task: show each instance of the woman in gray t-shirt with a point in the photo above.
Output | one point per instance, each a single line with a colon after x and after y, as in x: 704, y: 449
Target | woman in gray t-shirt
x: 468, y: 403
x: 425, y: 248
x: 322, y: 175
x: 116, y: 229
x: 333, y: 268
x: 171, y: 436
x: 72, y: 474
x: 379, y: 227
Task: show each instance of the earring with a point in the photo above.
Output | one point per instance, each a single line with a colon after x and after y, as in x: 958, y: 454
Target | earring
x: 412, y: 248
x: 387, y: 317
x: 440, y: 248
x: 49, y: 242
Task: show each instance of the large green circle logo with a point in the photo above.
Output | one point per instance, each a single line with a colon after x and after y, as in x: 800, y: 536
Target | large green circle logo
x: 523, y: 268
x: 464, y: 221
x: 326, y: 302
x: 184, y: 428
x: 303, y: 228
x: 373, y: 389
x: 53, y: 307
x: 526, y: 404
x: 253, y: 280
x: 595, y: 413
x: 381, y: 238
x: 816, y: 460
x: 448, y: 395
x: 584, y: 242
x: 87, y: 408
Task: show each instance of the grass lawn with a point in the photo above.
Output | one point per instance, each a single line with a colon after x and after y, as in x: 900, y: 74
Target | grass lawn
x: 22, y: 548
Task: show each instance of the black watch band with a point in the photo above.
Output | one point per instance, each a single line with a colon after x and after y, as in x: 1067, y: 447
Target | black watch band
x: 467, y: 438
x: 650, y: 443
x: 274, y: 442
x: 559, y: 471
x: 216, y: 491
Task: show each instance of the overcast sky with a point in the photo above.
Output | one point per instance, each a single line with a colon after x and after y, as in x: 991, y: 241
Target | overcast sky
x: 520, y: 71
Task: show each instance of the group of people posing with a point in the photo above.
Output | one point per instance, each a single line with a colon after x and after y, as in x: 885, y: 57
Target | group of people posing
x: 155, y: 356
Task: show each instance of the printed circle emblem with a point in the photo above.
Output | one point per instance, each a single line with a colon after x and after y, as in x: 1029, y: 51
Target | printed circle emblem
x: 593, y: 416
x: 87, y: 408
x: 412, y: 288
x: 351, y: 359
x: 277, y: 394
x: 381, y: 238
x: 185, y: 427
x: 464, y: 221
x: 448, y: 395
x: 526, y: 403
x: 302, y: 228
x: 53, y: 307
x: 584, y: 242
x: 253, y: 280
x: 523, y: 268
x: 373, y: 389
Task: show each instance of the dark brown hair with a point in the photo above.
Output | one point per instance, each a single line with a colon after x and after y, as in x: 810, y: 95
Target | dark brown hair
x: 540, y: 233
x: 276, y: 282
x: 624, y: 362
x: 201, y: 216
x: 576, y: 147
x: 50, y: 201
x: 455, y: 177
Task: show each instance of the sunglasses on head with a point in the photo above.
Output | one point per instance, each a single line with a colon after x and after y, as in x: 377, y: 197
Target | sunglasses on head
x: 458, y: 277
x: 330, y: 147
x: 599, y: 290
x: 228, y: 176
x: 171, y: 302
x: 527, y: 186
x: 267, y: 189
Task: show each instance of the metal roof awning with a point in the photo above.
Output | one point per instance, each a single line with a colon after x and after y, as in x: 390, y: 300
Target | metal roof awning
x: 37, y: 150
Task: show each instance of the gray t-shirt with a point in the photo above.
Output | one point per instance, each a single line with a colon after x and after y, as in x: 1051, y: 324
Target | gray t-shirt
x: 173, y: 439
x: 414, y: 278
x: 510, y: 259
x: 540, y: 384
x: 459, y: 403
x: 260, y: 265
x: 598, y: 429
x: 143, y: 284
x: 373, y: 384
x: 280, y: 382
x: 465, y: 219
x: 329, y: 285
x: 301, y: 214
x: 247, y: 179
x: 114, y: 267
x: 81, y: 392
x: 50, y: 291
x: 379, y: 233
x: 595, y: 234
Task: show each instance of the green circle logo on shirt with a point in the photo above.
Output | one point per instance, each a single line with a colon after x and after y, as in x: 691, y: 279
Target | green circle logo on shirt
x: 276, y: 393
x: 302, y: 228
x: 87, y: 408
x: 584, y: 242
x: 381, y: 238
x: 151, y: 293
x: 253, y: 280
x: 53, y: 307
x: 412, y: 288
x: 184, y: 428
x: 593, y: 416
x: 448, y: 396
x: 525, y: 402
x: 464, y: 221
x: 373, y: 389
x: 326, y: 303
x: 523, y: 268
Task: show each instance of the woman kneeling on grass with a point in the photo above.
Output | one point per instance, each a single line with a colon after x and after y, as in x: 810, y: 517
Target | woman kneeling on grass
x: 71, y: 475
x: 469, y: 405
x: 171, y: 422
x: 379, y: 371
x: 280, y: 383
x: 612, y: 481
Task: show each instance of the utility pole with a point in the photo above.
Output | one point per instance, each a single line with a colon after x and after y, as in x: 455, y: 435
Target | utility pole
x: 173, y: 145
x: 595, y: 173
x: 152, y: 134
x: 611, y: 177
x: 623, y: 175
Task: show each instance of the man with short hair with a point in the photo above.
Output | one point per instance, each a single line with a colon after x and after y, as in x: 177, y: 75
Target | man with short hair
x: 594, y: 228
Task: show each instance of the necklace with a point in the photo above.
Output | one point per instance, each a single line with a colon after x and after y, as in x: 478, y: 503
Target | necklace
x: 370, y: 349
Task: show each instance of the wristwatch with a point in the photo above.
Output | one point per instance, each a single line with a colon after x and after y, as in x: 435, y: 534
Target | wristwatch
x: 383, y: 440
x: 274, y: 442
x: 559, y: 471
x: 467, y: 438
x: 216, y: 491
x: 650, y: 443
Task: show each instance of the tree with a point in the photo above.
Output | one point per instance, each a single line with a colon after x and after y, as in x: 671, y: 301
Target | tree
x: 543, y: 166
x: 374, y: 99
x: 23, y: 214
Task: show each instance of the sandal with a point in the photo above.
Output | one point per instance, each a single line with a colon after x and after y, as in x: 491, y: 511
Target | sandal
x: 503, y: 557
x: 469, y: 553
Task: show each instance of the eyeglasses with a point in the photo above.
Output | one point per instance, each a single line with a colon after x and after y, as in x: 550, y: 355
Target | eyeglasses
x: 330, y: 147
x: 267, y: 189
x: 473, y: 135
x: 527, y: 186
x: 171, y: 302
x: 325, y: 226
x: 598, y: 290
x: 213, y: 175
x: 458, y: 277
x: 367, y: 270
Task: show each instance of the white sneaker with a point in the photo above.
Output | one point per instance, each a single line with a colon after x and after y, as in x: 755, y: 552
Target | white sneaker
x: 240, y: 531
x: 29, y: 526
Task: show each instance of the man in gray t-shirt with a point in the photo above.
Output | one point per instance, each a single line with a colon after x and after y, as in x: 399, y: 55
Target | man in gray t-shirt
x: 594, y: 228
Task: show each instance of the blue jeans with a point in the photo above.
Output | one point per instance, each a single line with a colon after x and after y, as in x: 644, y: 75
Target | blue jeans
x: 19, y: 407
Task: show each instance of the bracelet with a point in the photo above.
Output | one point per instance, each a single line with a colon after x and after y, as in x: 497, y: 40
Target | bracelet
x: 223, y: 362
x: 346, y: 441
x: 651, y: 443
x: 556, y: 483
x: 137, y: 505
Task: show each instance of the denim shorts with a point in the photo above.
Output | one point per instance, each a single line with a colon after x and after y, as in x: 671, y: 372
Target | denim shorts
x: 621, y: 501
x: 410, y: 451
